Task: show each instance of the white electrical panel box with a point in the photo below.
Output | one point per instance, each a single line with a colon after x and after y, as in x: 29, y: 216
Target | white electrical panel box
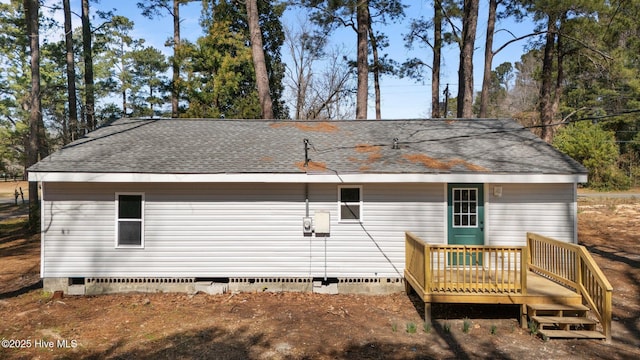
x: 322, y: 222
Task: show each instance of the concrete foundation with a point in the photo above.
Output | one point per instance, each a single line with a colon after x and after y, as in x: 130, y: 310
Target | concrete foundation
x: 211, y: 287
x: 270, y: 284
x: 371, y: 286
x: 320, y: 287
x: 97, y: 286
x: 56, y: 284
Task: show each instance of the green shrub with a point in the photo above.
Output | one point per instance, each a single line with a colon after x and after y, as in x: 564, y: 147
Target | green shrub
x: 596, y: 149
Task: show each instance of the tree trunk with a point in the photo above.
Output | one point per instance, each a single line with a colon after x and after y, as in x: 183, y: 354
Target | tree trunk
x: 546, y: 87
x: 123, y: 66
x: 302, y: 77
x: 376, y: 70
x: 488, y: 59
x: 437, y: 55
x: 259, y: 62
x: 465, y: 72
x: 88, y: 68
x: 31, y: 8
x: 559, y: 78
x: 71, y: 75
x: 362, y: 15
x: 175, y: 94
x: 151, y: 100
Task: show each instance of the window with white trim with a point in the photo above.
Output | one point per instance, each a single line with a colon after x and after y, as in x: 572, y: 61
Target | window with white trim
x: 350, y: 203
x: 130, y: 220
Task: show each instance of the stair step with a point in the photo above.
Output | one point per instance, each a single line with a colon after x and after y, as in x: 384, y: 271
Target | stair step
x: 557, y: 310
x: 572, y: 334
x: 553, y: 307
x: 564, y: 320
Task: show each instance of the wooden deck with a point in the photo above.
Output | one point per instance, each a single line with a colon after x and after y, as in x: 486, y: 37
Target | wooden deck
x: 539, y: 290
x: 545, y: 273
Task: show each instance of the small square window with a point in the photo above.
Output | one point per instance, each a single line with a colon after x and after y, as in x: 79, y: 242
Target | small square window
x: 129, y: 220
x: 350, y: 203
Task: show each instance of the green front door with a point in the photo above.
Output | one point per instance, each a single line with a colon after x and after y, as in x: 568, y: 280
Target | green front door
x: 465, y: 213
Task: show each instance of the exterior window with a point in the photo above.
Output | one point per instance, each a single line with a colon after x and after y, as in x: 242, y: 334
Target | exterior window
x: 350, y: 203
x: 129, y: 220
x: 465, y: 205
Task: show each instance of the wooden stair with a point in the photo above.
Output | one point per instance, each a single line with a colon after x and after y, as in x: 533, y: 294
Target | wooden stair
x: 563, y: 321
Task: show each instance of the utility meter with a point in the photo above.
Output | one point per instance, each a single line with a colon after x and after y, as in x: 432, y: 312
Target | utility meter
x: 307, y: 225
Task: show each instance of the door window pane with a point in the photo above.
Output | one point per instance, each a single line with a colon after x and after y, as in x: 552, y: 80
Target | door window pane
x: 465, y: 207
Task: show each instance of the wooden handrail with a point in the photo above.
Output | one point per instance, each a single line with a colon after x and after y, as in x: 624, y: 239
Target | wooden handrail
x: 415, y: 256
x: 572, y: 266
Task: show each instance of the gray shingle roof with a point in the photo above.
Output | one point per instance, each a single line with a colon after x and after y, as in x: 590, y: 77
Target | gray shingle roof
x: 207, y: 146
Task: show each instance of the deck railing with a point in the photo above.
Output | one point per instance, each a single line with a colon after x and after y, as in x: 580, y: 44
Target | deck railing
x: 465, y: 269
x: 415, y: 261
x: 573, y: 266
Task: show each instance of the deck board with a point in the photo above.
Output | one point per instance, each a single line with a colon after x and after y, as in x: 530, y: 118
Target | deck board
x: 544, y: 291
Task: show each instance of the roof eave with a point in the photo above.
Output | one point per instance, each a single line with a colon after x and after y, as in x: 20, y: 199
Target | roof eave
x: 310, y: 177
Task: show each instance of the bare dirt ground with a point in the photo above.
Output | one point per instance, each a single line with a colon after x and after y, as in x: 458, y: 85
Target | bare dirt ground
x: 302, y: 325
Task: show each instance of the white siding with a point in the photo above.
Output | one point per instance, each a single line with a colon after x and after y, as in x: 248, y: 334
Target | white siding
x: 547, y: 209
x: 376, y: 246
x: 234, y: 230
x: 255, y: 230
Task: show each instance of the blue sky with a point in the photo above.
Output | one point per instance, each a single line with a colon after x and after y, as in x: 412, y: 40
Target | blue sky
x: 401, y: 98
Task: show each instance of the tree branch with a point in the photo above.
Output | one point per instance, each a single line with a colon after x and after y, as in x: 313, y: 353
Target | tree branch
x: 586, y: 46
x: 516, y: 39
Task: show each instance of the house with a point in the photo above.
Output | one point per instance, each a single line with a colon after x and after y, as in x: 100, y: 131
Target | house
x: 184, y: 204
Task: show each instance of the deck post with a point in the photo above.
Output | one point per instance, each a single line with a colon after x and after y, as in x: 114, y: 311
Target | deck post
x: 427, y: 312
x: 427, y: 269
x: 523, y: 316
x: 606, y: 316
x: 524, y: 268
x: 578, y: 273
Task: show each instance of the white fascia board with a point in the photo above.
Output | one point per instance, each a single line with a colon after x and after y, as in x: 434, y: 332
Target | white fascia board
x: 307, y: 178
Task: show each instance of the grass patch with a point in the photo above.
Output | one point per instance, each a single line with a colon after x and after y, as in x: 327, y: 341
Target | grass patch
x: 412, y: 328
x: 13, y: 226
x: 466, y: 325
x: 447, y: 327
x: 426, y: 327
x: 493, y: 330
